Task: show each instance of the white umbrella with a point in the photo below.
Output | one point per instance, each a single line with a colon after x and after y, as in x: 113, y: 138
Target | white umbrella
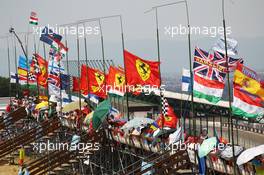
x: 250, y: 154
x: 227, y: 153
x: 136, y: 122
x: 176, y: 136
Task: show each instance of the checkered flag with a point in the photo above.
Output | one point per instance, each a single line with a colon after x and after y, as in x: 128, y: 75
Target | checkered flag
x: 31, y: 77
x: 165, y: 105
x: 35, y: 65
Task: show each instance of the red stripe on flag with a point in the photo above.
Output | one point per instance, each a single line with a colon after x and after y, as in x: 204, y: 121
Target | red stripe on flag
x: 245, y: 97
x: 32, y: 18
x: 208, y: 83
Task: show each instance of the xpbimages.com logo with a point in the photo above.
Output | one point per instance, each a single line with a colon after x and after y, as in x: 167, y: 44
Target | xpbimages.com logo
x: 79, y: 31
x: 86, y: 148
x: 146, y: 89
x: 211, y: 31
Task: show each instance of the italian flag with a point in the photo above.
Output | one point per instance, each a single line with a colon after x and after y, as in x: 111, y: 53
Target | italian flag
x: 246, y: 105
x: 210, y: 90
x: 33, y: 20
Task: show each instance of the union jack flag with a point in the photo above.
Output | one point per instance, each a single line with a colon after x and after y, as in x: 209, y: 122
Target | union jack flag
x: 212, y: 66
x: 54, y: 79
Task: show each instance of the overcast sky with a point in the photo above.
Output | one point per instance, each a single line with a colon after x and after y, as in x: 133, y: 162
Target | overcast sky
x: 245, y: 19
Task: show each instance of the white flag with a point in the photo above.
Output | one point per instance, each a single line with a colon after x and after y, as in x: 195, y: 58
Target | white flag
x: 186, y: 80
x: 231, y: 46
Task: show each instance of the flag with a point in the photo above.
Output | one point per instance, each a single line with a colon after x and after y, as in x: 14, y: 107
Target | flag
x: 75, y: 84
x: 54, y: 78
x: 33, y: 19
x: 22, y: 73
x: 65, y: 81
x: 249, y: 80
x: 14, y: 77
x: 219, y: 46
x: 141, y: 72
x: 56, y: 66
x: 169, y: 119
x: 48, y: 36
x: 100, y: 113
x: 59, y: 50
x: 245, y: 104
x: 186, y: 80
x: 116, y: 81
x: 22, y: 63
x: 42, y: 76
x: 95, y: 81
x: 54, y: 83
x: 209, y: 74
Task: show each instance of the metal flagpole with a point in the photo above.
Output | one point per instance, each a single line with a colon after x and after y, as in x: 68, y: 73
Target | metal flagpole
x: 15, y: 52
x: 78, y: 57
x: 67, y: 63
x: 44, y: 52
x: 189, y: 52
x: 123, y: 50
x: 86, y: 62
x: 103, y: 53
x: 229, y: 88
x: 9, y: 75
x: 35, y: 50
x: 12, y: 30
x: 158, y: 54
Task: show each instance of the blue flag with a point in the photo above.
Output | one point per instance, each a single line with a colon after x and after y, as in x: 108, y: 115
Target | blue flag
x: 48, y: 36
x: 65, y: 81
x: 22, y: 63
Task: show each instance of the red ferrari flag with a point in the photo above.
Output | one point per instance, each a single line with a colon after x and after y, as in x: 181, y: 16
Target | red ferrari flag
x: 96, y: 80
x: 169, y: 120
x: 116, y: 80
x: 140, y: 71
x: 41, y: 70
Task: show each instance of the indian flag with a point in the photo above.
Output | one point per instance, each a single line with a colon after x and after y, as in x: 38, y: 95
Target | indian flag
x: 211, y: 90
x: 245, y: 104
x: 33, y: 18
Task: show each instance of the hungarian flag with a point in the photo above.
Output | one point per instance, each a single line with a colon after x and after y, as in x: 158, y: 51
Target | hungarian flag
x: 33, y: 18
x: 169, y: 119
x: 141, y: 72
x: 94, y: 80
x: 42, y: 72
x: 116, y: 81
x: 245, y: 104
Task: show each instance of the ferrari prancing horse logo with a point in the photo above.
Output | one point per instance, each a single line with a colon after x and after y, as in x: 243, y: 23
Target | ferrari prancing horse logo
x: 119, y: 79
x: 143, y: 70
x: 99, y: 78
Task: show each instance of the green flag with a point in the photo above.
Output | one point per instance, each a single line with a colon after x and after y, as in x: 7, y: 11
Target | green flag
x: 100, y: 113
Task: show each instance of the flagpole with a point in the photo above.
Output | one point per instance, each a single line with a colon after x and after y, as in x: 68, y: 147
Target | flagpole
x: 12, y: 30
x: 158, y: 54
x: 123, y: 50
x: 86, y: 62
x: 17, y: 80
x: 8, y: 59
x: 229, y: 88
x: 44, y: 53
x: 103, y: 53
x: 67, y: 62
x: 78, y: 57
x: 35, y: 50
